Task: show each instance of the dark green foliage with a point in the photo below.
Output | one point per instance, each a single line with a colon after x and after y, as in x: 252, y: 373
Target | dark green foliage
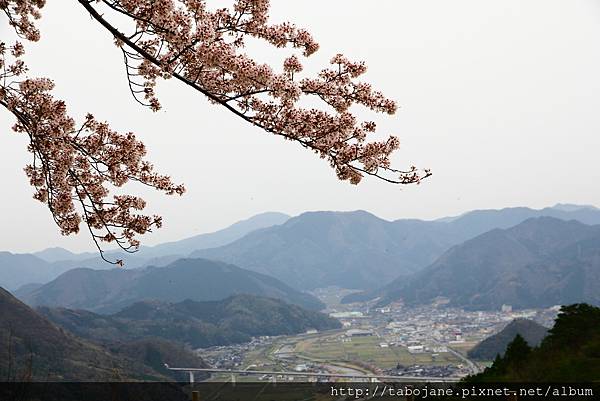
x: 532, y: 332
x: 33, y: 348
x: 155, y: 352
x: 199, y: 324
x: 516, y: 354
x: 570, y: 352
x: 574, y: 326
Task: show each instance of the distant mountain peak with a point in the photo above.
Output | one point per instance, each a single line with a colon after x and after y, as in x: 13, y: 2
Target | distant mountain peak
x: 54, y: 254
x: 358, y: 212
x: 61, y: 259
x: 540, y: 220
x: 569, y: 207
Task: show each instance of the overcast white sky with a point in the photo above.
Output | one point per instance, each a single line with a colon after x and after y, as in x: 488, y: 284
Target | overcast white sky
x: 500, y: 99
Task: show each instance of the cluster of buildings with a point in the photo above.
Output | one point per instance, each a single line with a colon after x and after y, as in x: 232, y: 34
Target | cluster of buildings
x: 232, y: 356
x: 431, y: 328
x: 426, y: 371
x: 435, y: 330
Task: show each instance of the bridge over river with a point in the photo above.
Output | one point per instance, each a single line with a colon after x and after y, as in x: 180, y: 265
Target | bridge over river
x: 324, y: 375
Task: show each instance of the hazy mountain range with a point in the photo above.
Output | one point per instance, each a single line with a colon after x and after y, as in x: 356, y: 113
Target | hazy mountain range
x: 539, y: 263
x: 108, y: 291
x: 41, y: 267
x: 317, y: 249
x: 181, y: 247
x: 360, y: 250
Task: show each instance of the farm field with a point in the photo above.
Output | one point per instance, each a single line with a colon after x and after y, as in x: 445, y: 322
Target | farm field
x: 368, y: 351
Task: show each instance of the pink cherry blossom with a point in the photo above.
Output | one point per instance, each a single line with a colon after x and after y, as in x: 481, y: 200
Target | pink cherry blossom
x: 204, y: 48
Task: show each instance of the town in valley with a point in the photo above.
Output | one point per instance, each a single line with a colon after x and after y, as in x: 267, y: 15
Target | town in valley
x: 429, y: 341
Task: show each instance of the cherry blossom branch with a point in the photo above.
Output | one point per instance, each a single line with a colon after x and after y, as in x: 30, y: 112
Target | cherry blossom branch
x: 76, y: 169
x: 184, y: 40
x: 76, y: 166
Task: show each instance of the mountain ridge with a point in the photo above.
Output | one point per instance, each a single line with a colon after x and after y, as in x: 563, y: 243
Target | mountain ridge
x: 107, y: 291
x: 44, y: 266
x: 232, y: 320
x: 355, y: 249
x: 523, y: 266
x: 41, y: 350
x: 359, y: 250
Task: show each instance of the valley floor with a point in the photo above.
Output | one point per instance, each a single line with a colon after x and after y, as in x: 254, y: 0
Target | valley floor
x: 430, y: 341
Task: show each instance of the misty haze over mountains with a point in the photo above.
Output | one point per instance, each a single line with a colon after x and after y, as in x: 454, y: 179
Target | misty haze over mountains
x: 108, y: 291
x: 541, y: 262
x: 359, y: 250
x: 411, y: 260
x: 21, y: 269
x: 182, y: 247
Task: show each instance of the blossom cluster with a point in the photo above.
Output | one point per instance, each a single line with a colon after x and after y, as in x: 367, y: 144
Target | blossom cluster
x: 21, y: 15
